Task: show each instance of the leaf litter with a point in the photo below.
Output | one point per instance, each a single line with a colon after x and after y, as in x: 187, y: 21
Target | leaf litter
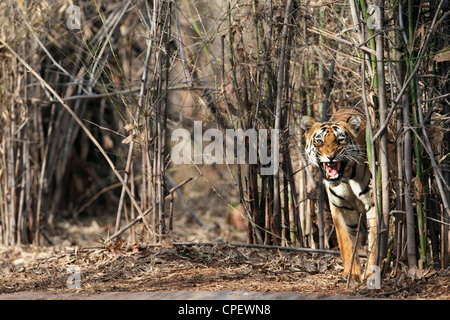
x: 139, y: 267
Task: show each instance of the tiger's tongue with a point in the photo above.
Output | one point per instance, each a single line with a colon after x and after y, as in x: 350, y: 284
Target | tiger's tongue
x: 332, y: 170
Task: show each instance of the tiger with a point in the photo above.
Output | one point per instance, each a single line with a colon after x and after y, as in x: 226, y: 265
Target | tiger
x: 338, y: 148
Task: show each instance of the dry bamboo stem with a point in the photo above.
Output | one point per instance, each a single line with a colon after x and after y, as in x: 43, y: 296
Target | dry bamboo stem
x: 131, y: 91
x: 85, y: 129
x: 371, y: 154
x: 278, y: 112
x: 384, y: 161
x: 410, y: 224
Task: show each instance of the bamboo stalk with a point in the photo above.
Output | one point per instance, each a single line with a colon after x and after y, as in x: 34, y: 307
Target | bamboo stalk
x: 384, y: 163
x: 373, y: 44
x: 410, y: 224
x: 400, y: 188
x: 278, y: 114
x: 81, y: 124
x: 418, y: 156
x: 371, y: 154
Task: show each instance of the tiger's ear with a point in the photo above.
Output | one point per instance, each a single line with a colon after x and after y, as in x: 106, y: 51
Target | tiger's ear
x: 306, y: 123
x: 354, y: 122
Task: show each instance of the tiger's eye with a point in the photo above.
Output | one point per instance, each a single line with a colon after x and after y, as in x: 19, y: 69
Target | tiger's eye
x: 341, y: 140
x: 318, y: 141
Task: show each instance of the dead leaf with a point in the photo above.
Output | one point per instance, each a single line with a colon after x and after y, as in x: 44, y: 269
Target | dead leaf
x: 135, y: 247
x: 18, y: 261
x: 439, y: 161
x: 128, y: 139
x: 444, y: 55
x: 116, y: 245
x: 146, y: 253
x: 323, y: 267
x: 129, y: 127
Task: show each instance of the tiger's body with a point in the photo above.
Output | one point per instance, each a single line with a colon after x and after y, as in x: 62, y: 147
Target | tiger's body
x: 337, y: 147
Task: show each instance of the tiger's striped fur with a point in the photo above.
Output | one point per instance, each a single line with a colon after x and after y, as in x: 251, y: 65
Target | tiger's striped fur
x: 337, y: 147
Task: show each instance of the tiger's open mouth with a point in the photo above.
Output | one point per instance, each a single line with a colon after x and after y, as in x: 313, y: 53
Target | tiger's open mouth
x: 333, y: 170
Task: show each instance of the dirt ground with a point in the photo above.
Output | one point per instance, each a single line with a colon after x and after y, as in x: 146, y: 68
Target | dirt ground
x: 132, y: 268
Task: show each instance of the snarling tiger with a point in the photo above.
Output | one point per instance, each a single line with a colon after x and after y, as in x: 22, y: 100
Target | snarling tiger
x: 337, y: 147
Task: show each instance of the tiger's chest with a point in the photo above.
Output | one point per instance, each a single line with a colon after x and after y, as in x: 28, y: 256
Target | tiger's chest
x: 344, y: 197
x: 352, y: 193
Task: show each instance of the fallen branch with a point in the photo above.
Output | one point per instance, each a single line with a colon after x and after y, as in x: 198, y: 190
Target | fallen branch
x: 262, y: 246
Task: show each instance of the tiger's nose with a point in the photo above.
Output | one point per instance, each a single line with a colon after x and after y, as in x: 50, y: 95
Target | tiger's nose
x: 331, y: 156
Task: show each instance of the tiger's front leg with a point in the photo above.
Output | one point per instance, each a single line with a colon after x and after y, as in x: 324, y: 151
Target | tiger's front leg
x: 371, y: 217
x: 361, y: 190
x: 345, y: 222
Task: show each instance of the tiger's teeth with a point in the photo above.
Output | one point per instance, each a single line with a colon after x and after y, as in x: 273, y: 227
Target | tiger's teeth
x: 332, y: 169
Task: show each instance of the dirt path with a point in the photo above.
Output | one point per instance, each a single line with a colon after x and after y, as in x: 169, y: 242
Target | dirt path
x: 178, y: 295
x: 124, y: 271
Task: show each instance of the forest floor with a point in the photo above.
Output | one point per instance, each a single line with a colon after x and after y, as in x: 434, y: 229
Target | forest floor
x: 35, y: 272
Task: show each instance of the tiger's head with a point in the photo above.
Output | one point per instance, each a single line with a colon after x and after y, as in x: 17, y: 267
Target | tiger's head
x: 331, y: 146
